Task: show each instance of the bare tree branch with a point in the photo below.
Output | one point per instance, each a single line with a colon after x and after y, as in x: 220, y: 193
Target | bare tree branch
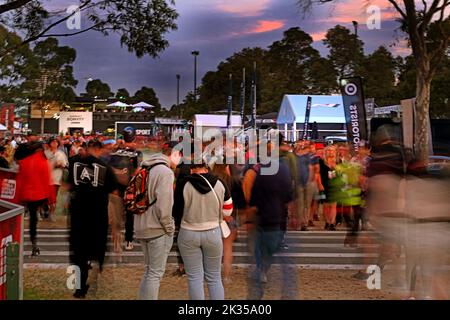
x: 424, y: 5
x: 70, y: 34
x: 428, y: 15
x: 43, y: 32
x: 442, y: 8
x: 397, y: 7
x: 13, y: 5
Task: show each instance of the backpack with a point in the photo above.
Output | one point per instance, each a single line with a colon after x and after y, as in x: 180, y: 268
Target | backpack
x: 136, y: 198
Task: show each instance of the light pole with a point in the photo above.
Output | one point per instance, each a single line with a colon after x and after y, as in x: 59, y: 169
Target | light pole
x: 195, y: 54
x: 178, y: 95
x: 355, y: 25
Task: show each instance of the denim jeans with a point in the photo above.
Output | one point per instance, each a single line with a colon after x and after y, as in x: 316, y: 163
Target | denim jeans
x: 267, y: 243
x: 156, y: 252
x: 202, y: 256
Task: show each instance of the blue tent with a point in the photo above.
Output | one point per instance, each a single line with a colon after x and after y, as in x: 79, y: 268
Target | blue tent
x: 324, y: 110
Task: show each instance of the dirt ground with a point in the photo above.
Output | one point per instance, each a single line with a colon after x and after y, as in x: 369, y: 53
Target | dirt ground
x: 122, y: 283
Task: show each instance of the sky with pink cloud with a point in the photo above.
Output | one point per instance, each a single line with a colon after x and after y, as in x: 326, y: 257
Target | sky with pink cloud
x: 218, y: 28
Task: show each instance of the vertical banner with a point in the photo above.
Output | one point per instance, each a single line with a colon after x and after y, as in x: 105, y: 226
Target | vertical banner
x: 242, y: 102
x: 307, y: 114
x: 230, y: 102
x: 355, y: 113
x: 253, y: 94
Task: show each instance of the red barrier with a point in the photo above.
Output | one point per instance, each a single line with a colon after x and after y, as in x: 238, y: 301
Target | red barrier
x: 11, y: 222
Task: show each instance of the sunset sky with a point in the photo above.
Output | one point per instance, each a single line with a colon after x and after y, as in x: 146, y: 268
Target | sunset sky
x: 218, y: 28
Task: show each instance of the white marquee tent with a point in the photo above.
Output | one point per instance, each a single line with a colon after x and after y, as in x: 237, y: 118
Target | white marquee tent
x: 324, y: 110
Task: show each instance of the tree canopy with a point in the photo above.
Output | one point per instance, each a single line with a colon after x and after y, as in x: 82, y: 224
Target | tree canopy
x: 292, y: 66
x: 141, y: 24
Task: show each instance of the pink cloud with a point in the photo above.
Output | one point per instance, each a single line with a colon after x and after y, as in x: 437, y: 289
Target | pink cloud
x: 262, y: 26
x: 243, y: 8
x: 318, y: 36
x: 346, y: 12
x: 267, y: 25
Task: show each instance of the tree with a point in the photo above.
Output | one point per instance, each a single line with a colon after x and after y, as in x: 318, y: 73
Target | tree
x: 289, y: 61
x: 215, y: 84
x: 148, y: 95
x: 346, y: 50
x: 98, y: 89
x: 379, y: 71
x: 440, y: 87
x: 428, y: 31
x: 141, y: 24
x: 322, y: 77
x: 189, y: 107
x: 49, y: 72
x: 13, y: 66
x: 122, y: 94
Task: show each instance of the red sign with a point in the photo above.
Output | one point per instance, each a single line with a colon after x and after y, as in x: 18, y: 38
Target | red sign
x: 7, y: 116
x: 8, y: 186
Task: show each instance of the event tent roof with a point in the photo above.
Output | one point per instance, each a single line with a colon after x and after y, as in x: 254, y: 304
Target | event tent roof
x: 216, y: 120
x: 118, y: 104
x: 142, y: 105
x: 324, y: 109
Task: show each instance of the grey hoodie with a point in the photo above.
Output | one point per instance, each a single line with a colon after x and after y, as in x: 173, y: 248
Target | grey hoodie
x: 158, y: 219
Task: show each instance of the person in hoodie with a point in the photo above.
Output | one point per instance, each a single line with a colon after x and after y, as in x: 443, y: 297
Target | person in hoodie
x: 201, y: 201
x: 91, y: 181
x: 155, y: 228
x: 34, y: 184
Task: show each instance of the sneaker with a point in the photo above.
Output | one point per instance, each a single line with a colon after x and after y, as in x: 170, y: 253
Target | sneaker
x: 331, y: 227
x: 129, y: 245
x: 284, y: 247
x: 360, y: 276
x: 81, y: 293
x: 35, y: 251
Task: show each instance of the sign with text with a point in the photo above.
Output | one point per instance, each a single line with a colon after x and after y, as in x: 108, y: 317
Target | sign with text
x: 355, y: 112
x: 140, y: 133
x: 307, y: 114
x: 7, y: 116
x: 75, y: 120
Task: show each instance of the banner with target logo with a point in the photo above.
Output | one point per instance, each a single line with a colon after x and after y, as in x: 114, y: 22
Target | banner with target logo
x: 355, y: 112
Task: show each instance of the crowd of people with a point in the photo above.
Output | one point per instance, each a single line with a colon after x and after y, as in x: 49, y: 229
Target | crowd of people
x: 193, y: 203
